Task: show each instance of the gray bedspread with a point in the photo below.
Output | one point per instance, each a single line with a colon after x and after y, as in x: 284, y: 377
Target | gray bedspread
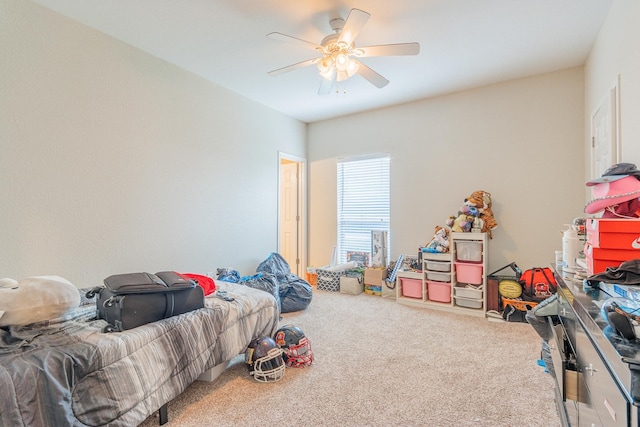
x: 67, y: 372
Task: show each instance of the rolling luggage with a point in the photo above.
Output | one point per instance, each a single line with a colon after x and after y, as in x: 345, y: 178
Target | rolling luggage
x: 133, y: 299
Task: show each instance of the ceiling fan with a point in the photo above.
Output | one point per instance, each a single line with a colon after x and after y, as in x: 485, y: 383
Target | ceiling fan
x: 339, y: 55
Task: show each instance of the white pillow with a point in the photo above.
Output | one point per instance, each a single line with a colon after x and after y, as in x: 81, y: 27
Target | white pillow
x: 35, y: 299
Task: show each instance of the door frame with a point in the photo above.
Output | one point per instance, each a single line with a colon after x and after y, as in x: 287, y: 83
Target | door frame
x: 302, y: 209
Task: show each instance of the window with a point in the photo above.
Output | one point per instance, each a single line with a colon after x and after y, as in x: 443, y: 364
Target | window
x: 363, y: 203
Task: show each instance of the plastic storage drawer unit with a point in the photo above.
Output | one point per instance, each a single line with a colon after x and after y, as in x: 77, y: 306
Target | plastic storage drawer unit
x: 469, y: 251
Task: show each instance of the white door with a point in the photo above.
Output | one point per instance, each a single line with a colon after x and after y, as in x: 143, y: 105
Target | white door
x: 289, y: 214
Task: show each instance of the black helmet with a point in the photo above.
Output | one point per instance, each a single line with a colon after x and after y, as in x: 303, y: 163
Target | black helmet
x: 265, y: 360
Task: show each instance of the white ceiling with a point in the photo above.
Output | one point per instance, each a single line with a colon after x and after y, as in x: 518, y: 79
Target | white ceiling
x: 463, y: 43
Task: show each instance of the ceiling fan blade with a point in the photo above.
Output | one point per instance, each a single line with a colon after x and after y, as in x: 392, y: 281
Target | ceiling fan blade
x: 352, y: 26
x: 374, y: 78
x: 285, y: 38
x: 388, y: 50
x: 326, y: 85
x: 293, y: 67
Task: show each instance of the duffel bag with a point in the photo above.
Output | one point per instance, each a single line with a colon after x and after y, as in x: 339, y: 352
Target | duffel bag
x: 538, y: 284
x: 130, y: 300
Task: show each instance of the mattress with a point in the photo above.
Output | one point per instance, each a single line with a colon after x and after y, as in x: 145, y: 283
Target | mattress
x: 68, y: 372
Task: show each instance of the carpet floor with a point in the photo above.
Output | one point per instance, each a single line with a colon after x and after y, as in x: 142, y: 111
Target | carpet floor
x: 380, y: 363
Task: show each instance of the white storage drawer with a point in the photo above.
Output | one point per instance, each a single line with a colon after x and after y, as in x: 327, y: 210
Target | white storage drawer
x: 467, y: 291
x: 438, y: 265
x: 468, y: 302
x: 437, y: 276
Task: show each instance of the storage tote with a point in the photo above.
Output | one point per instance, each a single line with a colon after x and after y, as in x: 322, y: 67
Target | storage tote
x: 439, y: 291
x: 438, y: 276
x: 411, y: 288
x: 470, y: 251
x: 444, y: 266
x: 468, y: 291
x: 351, y: 285
x: 329, y: 280
x: 469, y: 273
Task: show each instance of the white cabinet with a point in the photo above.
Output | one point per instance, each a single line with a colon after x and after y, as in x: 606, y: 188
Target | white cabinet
x: 455, y: 281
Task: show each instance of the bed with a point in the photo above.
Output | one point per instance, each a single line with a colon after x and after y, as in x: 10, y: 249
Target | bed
x: 66, y: 371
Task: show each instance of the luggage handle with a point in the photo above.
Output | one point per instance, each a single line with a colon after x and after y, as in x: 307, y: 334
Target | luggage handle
x: 513, y: 266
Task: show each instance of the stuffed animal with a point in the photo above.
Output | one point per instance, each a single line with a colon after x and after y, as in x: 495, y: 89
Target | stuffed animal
x: 481, y: 200
x: 461, y: 223
x: 475, y: 214
x: 440, y: 241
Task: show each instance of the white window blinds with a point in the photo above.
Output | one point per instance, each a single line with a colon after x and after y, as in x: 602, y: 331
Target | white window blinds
x: 363, y: 203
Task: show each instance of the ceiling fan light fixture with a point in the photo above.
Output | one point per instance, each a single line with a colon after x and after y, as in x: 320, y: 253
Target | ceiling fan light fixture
x: 339, y: 55
x: 325, y: 65
x: 352, y: 68
x: 342, y: 61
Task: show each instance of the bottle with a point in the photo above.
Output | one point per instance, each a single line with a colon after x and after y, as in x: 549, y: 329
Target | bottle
x: 570, y: 249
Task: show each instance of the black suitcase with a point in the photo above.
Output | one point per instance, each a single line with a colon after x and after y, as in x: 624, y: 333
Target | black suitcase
x: 134, y: 299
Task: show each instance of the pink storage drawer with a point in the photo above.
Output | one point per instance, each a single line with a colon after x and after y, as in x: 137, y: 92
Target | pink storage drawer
x: 439, y: 291
x: 411, y: 288
x: 469, y: 273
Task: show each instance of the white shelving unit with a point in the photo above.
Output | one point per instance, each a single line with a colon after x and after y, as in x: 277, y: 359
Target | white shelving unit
x: 438, y: 286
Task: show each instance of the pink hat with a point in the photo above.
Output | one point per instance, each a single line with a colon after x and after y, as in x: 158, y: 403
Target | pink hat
x: 613, y: 193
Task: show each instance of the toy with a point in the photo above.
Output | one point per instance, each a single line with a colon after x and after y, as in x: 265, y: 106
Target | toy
x: 461, y: 223
x: 440, y: 241
x: 481, y: 200
x: 475, y: 214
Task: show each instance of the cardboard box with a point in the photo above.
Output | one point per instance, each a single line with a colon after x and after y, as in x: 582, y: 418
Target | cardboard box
x: 598, y: 259
x: 374, y: 276
x: 595, y: 266
x: 574, y: 387
x: 611, y: 225
x: 610, y: 254
x: 373, y: 290
x: 622, y: 234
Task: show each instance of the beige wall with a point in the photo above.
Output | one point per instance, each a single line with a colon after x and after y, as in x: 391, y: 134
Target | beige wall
x: 112, y: 160
x: 520, y: 140
x: 616, y: 57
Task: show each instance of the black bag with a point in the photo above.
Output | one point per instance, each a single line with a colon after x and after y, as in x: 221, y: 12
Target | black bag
x: 134, y: 299
x: 512, y: 314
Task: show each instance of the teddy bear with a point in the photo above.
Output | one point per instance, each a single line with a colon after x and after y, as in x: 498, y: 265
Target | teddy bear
x: 440, y: 241
x: 481, y: 201
x: 461, y: 223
